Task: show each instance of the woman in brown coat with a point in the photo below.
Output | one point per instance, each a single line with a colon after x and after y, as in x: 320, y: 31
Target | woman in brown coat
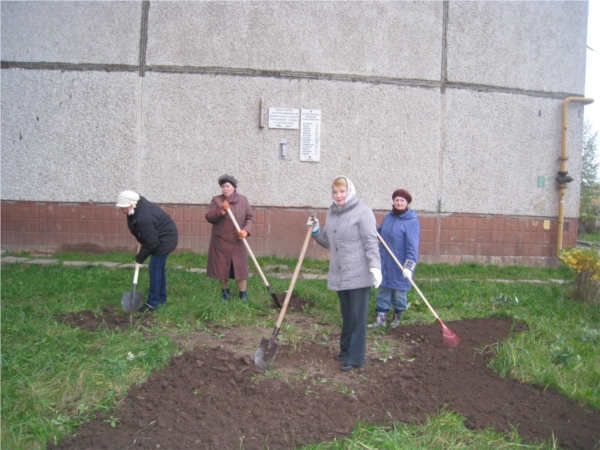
x: 227, y: 254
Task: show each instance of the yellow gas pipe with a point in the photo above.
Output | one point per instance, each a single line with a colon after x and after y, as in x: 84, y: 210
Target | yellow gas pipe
x: 562, y: 177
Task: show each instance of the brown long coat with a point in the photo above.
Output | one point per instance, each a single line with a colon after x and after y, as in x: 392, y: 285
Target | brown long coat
x: 225, y: 247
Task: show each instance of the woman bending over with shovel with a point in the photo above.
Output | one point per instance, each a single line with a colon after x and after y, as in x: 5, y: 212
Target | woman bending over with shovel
x: 354, y: 266
x: 401, y: 231
x: 157, y: 234
x: 227, y: 255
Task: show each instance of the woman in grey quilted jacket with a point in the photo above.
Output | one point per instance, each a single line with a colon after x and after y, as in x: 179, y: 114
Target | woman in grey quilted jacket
x: 354, y: 266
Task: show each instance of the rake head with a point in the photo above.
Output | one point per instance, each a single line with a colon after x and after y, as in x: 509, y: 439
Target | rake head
x: 450, y: 338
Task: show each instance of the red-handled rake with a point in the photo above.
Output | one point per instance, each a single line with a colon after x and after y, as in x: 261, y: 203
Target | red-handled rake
x: 450, y: 338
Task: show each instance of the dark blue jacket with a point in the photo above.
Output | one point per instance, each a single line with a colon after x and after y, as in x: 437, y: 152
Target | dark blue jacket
x: 402, y: 235
x: 153, y: 228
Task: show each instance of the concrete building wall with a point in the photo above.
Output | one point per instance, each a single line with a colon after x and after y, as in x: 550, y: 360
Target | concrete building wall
x: 76, y: 32
x: 459, y: 102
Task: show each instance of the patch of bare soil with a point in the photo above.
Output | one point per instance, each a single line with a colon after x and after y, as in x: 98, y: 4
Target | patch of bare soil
x: 110, y: 318
x: 295, y: 303
x: 214, y: 397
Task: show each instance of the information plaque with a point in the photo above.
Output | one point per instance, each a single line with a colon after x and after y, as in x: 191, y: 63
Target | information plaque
x: 283, y: 118
x: 310, y: 135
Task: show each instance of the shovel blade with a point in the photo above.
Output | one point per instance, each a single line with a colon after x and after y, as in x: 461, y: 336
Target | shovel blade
x: 276, y: 300
x: 265, y: 353
x: 274, y: 296
x: 131, y: 301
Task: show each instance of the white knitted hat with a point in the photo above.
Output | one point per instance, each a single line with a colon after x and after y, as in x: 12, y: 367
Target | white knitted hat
x: 126, y: 199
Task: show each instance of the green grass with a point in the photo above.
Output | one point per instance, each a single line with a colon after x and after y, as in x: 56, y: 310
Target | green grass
x: 491, y: 272
x: 184, y: 259
x: 589, y: 237
x: 560, y: 348
x: 444, y: 431
x: 276, y: 264
x: 55, y: 378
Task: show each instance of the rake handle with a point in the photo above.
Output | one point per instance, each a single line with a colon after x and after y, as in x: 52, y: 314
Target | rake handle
x: 410, y: 279
x: 237, y: 227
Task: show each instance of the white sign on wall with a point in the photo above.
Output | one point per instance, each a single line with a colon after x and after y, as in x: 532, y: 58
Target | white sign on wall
x: 310, y: 135
x: 284, y: 118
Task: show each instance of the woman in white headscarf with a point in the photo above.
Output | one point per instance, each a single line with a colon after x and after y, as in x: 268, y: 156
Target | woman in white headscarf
x: 154, y: 229
x: 354, y: 266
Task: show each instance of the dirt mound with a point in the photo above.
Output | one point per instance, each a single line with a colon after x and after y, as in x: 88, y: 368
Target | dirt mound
x: 214, y: 397
x: 111, y: 318
x: 296, y: 303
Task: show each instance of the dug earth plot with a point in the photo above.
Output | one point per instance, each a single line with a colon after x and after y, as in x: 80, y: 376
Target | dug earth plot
x: 213, y: 396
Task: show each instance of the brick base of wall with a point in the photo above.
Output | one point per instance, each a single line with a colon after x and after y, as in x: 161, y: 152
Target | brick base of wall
x: 47, y: 228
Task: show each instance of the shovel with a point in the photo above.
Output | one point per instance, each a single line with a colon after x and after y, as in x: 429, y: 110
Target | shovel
x: 267, y: 348
x: 262, y: 275
x: 131, y: 301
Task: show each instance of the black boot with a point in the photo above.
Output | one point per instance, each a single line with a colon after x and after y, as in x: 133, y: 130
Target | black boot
x: 225, y: 293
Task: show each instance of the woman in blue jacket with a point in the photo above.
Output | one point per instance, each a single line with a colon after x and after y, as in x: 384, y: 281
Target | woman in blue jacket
x: 401, y: 231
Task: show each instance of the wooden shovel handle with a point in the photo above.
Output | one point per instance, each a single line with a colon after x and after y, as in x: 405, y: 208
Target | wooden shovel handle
x: 294, y: 277
x: 237, y: 227
x: 137, y: 268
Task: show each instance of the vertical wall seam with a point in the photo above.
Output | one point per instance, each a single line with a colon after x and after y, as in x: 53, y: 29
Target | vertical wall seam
x: 444, y: 68
x: 144, y: 37
x: 142, y: 70
x: 443, y: 81
x: 139, y: 134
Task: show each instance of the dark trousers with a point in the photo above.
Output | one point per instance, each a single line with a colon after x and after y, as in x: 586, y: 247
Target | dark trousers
x: 354, y: 304
x: 157, y: 292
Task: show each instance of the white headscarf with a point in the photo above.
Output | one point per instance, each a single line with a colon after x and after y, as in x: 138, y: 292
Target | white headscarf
x: 351, y: 189
x: 127, y: 199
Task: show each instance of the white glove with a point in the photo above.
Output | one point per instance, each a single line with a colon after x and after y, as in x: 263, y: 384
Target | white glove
x: 409, y: 268
x: 377, y: 276
x: 313, y: 220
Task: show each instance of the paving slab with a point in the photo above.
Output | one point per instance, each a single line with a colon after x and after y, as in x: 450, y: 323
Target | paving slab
x: 14, y: 259
x: 281, y: 276
x: 313, y: 276
x: 106, y: 264
x: 42, y: 262
x: 77, y: 263
x: 276, y: 266
x: 196, y: 270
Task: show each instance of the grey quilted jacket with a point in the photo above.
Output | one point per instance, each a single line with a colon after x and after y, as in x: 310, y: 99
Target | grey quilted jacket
x: 351, y: 236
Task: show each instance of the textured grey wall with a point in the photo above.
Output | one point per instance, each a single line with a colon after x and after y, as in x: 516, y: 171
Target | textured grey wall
x: 388, y: 39
x: 522, y: 45
x: 459, y: 102
x: 71, y: 32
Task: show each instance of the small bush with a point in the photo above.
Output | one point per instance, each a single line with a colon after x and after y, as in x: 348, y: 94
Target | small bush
x: 586, y: 264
